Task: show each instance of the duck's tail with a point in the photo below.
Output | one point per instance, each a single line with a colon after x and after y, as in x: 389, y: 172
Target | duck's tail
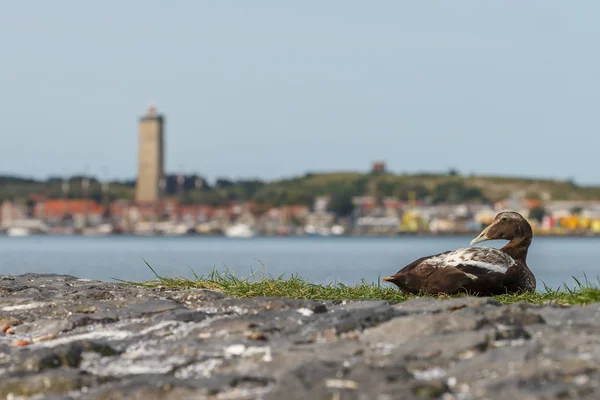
x: 401, y: 281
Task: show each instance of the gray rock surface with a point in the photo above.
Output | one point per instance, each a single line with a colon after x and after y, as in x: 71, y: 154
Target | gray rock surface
x: 68, y: 338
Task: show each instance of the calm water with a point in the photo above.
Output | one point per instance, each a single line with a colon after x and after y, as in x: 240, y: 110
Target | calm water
x: 321, y: 260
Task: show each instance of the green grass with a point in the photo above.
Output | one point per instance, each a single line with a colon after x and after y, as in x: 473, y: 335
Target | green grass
x: 299, y: 288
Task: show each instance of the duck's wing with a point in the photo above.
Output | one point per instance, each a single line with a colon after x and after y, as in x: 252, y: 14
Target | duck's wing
x: 474, y: 269
x: 478, y: 270
x: 474, y: 260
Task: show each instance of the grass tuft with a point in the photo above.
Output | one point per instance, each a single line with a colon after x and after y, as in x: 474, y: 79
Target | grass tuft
x: 299, y: 288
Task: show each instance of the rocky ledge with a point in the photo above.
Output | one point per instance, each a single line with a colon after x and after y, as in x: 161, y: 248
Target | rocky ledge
x: 68, y: 338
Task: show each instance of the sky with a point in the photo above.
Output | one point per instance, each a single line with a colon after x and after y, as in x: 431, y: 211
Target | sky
x: 270, y: 89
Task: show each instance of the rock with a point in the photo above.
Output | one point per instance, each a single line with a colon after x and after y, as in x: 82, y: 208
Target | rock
x: 64, y: 337
x: 69, y: 355
x: 576, y: 315
x: 54, y: 382
x: 423, y: 305
x: 6, y: 323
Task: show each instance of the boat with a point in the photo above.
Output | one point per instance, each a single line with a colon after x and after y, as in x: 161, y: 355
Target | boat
x: 177, y: 230
x: 337, y: 230
x: 18, y: 231
x: 311, y: 230
x: 27, y: 227
x: 239, y: 231
x: 100, y: 230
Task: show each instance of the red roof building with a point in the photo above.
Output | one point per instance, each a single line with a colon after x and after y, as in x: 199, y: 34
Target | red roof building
x: 58, y: 208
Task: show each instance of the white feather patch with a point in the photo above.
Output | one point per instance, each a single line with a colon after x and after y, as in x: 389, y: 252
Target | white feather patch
x: 487, y: 258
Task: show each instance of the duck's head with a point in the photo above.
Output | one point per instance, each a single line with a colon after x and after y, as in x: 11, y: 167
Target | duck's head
x: 507, y: 225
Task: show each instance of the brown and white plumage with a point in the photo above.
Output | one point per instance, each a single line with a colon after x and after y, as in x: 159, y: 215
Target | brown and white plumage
x: 476, y: 270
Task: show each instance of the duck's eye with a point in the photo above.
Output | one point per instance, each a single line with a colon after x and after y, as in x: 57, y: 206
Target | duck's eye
x: 503, y: 219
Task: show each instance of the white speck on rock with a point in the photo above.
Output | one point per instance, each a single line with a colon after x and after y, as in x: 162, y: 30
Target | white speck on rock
x: 160, y: 325
x: 97, y: 334
x: 429, y: 374
x: 513, y: 342
x: 237, y: 310
x: 502, y: 327
x: 240, y: 350
x: 203, y: 369
x: 467, y: 354
x: 383, y: 348
x: 234, y: 350
x: 264, y: 350
x: 305, y: 311
x: 126, y: 365
x: 208, y: 310
x: 581, y: 380
x: 341, y: 384
x: 20, y: 307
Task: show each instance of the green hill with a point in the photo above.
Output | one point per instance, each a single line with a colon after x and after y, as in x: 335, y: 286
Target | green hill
x: 340, y: 186
x: 436, y: 187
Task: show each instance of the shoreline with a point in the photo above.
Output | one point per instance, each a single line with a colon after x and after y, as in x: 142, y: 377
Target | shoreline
x: 411, y: 234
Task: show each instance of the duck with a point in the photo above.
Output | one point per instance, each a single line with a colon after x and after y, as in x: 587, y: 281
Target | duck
x: 482, y: 271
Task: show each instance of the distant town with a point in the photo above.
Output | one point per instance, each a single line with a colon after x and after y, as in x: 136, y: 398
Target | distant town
x: 375, y: 202
x: 369, y: 217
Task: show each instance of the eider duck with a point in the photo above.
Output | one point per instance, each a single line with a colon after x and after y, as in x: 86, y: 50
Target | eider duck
x: 480, y: 271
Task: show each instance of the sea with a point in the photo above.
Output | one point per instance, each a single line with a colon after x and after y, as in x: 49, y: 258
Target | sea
x: 555, y: 261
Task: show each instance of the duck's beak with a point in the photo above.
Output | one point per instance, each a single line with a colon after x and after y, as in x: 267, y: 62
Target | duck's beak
x: 483, y: 235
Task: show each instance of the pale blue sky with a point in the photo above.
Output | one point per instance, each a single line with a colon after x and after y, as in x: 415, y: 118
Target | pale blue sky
x: 277, y: 88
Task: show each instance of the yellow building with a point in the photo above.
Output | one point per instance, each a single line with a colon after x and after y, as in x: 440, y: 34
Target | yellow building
x: 150, y: 157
